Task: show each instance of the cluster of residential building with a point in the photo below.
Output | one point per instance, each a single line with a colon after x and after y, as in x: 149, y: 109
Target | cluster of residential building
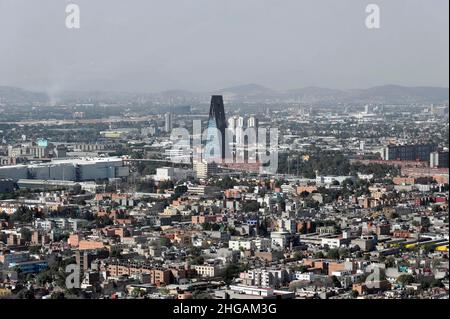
x: 208, y: 230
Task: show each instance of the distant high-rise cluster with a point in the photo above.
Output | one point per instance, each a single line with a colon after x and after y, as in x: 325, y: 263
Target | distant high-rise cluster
x: 239, y: 122
x: 242, y: 128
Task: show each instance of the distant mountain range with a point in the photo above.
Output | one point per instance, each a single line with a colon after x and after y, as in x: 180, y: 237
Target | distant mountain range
x: 17, y: 95
x: 395, y: 94
x: 401, y: 94
x: 249, y: 93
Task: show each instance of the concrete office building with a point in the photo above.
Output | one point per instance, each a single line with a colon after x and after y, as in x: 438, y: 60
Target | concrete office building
x: 204, y: 170
x: 419, y: 152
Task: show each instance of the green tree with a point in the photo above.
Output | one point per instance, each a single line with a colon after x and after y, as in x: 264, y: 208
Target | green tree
x: 336, y: 282
x: 25, y: 234
x: 298, y: 255
x: 180, y: 190
x: 232, y: 271
x: 319, y: 255
x: 166, y: 185
x: 343, y: 253
x: 23, y: 215
x: 165, y: 242
x: 58, y: 295
x: 405, y: 279
x: 26, y: 294
x: 197, y: 260
x: 436, y: 283
x: 333, y: 254
x: 251, y: 206
x: 136, y: 292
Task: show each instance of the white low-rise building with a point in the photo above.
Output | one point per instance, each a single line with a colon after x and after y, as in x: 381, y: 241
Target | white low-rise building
x: 208, y: 270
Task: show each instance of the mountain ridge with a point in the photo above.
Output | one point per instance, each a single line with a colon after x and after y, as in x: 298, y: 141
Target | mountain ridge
x: 390, y: 93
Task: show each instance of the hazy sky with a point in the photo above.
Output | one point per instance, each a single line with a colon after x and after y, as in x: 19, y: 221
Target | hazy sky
x: 152, y: 45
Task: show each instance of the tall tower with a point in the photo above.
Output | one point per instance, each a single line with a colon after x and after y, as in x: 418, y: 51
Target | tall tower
x: 168, y: 122
x: 217, y: 121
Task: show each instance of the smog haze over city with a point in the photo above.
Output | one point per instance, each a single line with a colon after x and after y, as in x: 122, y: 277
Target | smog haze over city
x: 202, y: 45
x: 224, y: 150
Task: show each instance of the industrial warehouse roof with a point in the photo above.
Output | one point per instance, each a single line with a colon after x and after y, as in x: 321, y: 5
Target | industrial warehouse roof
x: 74, y: 161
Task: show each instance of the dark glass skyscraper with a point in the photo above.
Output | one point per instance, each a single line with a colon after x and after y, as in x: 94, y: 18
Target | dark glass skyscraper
x: 217, y: 121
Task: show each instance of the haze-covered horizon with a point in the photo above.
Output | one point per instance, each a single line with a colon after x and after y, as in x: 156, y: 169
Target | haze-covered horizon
x: 242, y: 86
x: 204, y: 45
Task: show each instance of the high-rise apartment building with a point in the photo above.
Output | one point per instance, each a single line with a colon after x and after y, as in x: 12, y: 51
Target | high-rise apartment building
x: 168, y: 122
x: 252, y: 122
